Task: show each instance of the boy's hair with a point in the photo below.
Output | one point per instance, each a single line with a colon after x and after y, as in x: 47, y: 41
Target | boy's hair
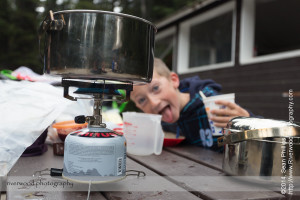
x: 161, y: 68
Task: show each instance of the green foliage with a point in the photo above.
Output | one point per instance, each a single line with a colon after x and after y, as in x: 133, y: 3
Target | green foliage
x: 86, y: 4
x: 19, y: 34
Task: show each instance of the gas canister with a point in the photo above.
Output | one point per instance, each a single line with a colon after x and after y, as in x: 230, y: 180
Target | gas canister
x: 94, y: 155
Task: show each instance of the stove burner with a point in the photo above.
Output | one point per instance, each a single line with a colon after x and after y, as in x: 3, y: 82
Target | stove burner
x: 92, y: 88
x: 100, y: 92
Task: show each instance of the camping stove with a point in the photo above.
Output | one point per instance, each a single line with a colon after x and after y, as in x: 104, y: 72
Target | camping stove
x: 95, y: 154
x: 98, y: 52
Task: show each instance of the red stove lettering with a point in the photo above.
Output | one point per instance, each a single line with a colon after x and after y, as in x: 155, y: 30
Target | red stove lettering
x: 99, y: 134
x: 105, y: 134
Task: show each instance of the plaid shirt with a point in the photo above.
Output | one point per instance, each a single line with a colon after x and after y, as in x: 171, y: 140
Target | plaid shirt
x: 193, y: 122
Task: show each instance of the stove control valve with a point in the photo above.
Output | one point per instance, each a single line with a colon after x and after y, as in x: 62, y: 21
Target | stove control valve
x: 80, y: 119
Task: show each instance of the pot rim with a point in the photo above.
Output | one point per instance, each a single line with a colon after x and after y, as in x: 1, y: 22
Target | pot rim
x: 271, y: 141
x: 106, y: 12
x: 234, y: 136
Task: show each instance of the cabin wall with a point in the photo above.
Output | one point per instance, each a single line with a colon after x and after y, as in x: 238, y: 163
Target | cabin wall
x: 263, y: 88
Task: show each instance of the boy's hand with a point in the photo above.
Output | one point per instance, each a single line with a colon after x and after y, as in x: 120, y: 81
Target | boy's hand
x: 222, y: 116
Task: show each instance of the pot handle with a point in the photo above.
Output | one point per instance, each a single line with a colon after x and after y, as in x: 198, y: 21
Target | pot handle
x: 49, y: 23
x: 234, y: 136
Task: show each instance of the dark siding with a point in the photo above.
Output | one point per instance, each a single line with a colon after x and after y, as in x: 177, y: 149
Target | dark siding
x: 261, y: 87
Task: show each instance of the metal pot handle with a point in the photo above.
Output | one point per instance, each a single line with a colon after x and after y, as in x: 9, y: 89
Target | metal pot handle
x: 49, y: 23
x: 234, y: 136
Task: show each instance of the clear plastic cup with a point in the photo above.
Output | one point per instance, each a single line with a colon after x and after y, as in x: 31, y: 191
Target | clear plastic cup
x: 143, y: 133
x: 209, y: 103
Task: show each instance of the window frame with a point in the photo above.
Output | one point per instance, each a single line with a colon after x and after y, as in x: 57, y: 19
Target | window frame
x: 184, y: 38
x: 247, y: 39
x: 166, y: 33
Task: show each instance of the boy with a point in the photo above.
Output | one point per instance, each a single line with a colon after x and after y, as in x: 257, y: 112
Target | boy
x: 179, y: 101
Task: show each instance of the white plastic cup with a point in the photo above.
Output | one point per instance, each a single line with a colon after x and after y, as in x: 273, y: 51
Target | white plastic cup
x: 209, y: 103
x: 143, y: 133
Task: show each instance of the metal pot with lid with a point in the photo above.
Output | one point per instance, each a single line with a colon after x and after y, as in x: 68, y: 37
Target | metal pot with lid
x: 261, y: 148
x: 96, y: 44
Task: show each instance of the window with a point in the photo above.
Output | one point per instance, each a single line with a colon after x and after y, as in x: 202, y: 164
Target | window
x: 165, y: 44
x: 210, y: 41
x: 207, y: 41
x: 269, y: 30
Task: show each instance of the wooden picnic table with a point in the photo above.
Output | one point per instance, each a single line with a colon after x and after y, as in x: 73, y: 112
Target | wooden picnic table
x: 181, y: 172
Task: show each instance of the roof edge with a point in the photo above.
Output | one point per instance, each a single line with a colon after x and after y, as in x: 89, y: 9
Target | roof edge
x: 182, y: 13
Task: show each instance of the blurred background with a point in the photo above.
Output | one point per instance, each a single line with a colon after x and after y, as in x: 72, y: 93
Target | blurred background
x: 20, y: 19
x: 250, y: 47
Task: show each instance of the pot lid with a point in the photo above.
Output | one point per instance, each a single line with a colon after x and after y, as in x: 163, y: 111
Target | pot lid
x: 246, y: 128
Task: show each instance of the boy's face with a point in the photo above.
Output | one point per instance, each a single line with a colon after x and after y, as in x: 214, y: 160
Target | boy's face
x: 161, y: 96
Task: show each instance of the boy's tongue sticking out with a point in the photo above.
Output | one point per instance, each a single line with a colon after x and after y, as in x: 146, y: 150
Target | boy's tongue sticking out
x: 167, y: 114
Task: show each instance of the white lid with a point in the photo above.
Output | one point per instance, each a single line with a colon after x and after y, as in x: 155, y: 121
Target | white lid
x: 220, y: 97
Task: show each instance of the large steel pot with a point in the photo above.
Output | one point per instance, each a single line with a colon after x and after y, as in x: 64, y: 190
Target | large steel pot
x: 94, y: 44
x: 261, y: 149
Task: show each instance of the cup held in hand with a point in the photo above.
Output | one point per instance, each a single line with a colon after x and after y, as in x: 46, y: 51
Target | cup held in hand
x: 209, y: 103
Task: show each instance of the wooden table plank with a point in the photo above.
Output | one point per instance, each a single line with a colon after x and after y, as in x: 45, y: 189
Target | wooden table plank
x: 2, y: 196
x: 27, y: 166
x: 62, y: 195
x: 153, y: 186
x: 203, y: 181
x: 200, y: 155
x: 214, y: 160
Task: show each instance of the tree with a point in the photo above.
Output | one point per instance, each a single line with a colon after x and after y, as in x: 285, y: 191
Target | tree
x: 5, y: 27
x: 21, y: 44
x: 85, y: 4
